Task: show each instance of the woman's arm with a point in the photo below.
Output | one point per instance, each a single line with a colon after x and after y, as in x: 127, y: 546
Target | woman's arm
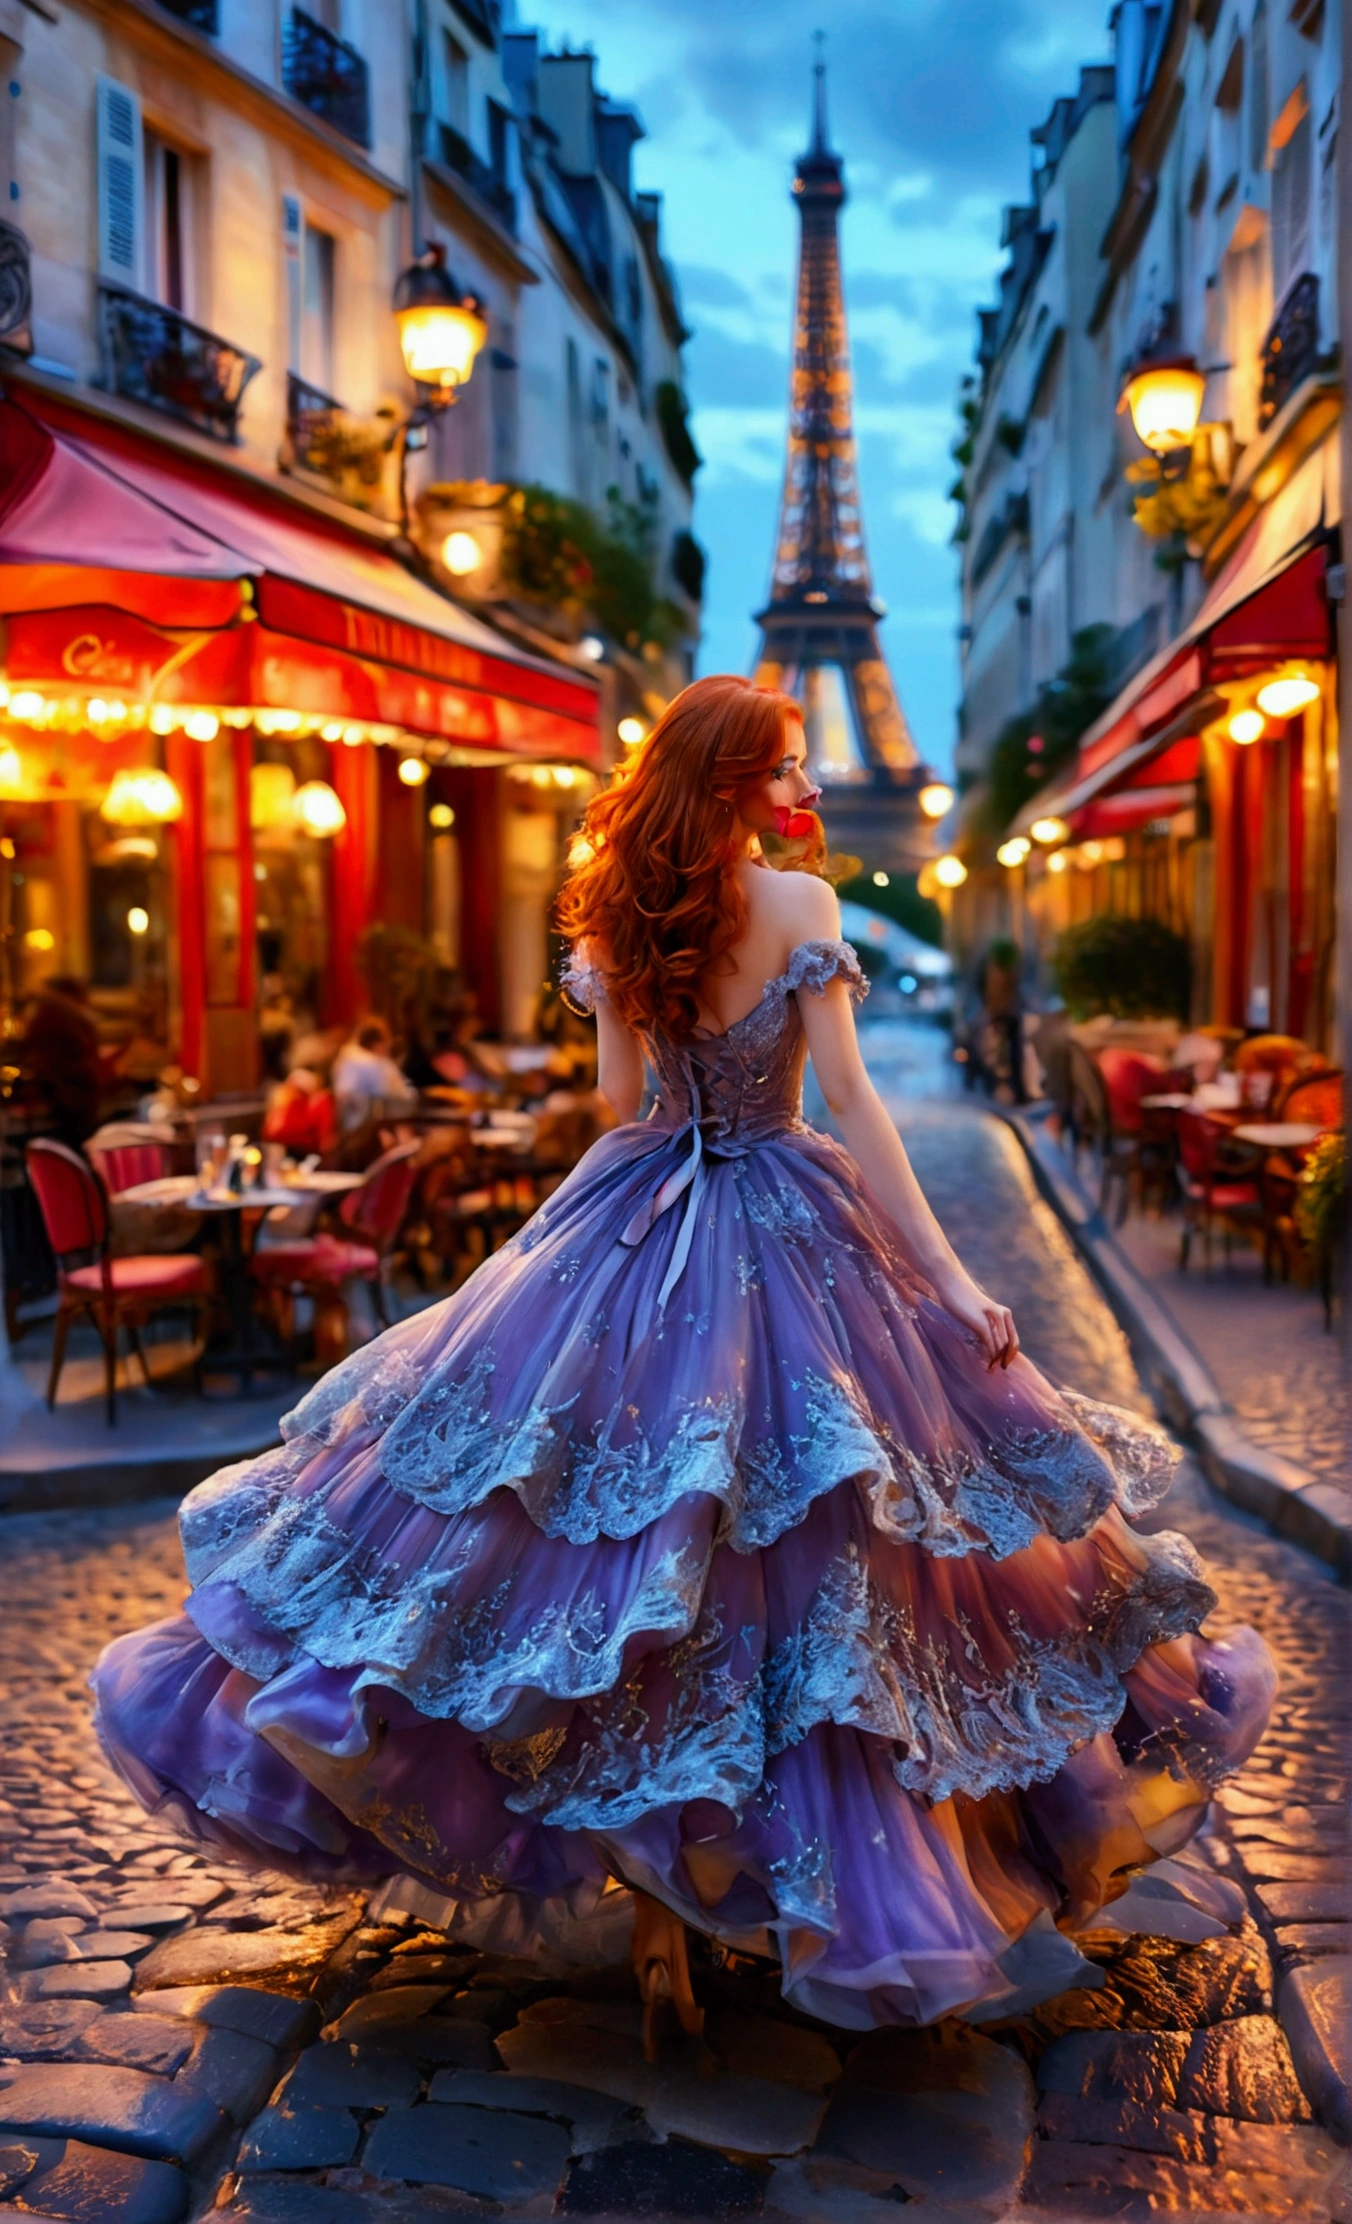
x: 878, y: 1152
x: 619, y: 1063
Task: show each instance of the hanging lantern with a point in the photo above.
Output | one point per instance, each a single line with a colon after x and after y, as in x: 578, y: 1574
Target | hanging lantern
x: 272, y: 796
x: 1165, y: 400
x: 1247, y: 726
x: 317, y: 810
x: 1288, y: 693
x: 141, y: 797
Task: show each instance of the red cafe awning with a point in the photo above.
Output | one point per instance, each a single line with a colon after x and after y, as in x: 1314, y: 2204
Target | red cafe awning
x: 125, y: 567
x: 1150, y: 736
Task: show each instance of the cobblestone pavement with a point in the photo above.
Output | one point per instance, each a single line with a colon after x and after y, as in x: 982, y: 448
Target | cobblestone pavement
x: 177, y: 2037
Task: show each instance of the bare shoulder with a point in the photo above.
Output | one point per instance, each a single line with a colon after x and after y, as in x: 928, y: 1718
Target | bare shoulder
x: 796, y: 906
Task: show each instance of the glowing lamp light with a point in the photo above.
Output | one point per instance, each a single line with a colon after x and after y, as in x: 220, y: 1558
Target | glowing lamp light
x: 26, y: 706
x: 141, y: 798
x: 1165, y: 401
x: 631, y: 731
x: 950, y: 872
x: 1287, y: 694
x: 461, y: 554
x: 592, y: 647
x: 138, y: 920
x: 882, y: 880
x: 318, y: 810
x: 11, y: 773
x: 935, y: 798
x: 272, y: 796
x: 39, y: 938
x: 1247, y: 726
x: 1049, y: 830
x: 1013, y: 852
x: 1058, y: 860
x: 412, y: 771
x: 441, y: 329
x: 201, y: 725
x: 442, y: 817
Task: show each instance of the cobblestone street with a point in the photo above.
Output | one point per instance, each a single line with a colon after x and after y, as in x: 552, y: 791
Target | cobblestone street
x: 177, y: 2036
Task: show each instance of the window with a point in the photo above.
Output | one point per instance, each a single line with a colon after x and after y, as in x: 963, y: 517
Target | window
x: 168, y: 238
x: 1291, y: 189
x: 1223, y: 163
x: 497, y: 141
x: 457, y: 85
x: 316, y: 309
x: 1258, y: 91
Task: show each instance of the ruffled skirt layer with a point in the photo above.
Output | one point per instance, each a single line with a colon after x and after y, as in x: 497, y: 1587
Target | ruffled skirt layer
x: 771, y: 1601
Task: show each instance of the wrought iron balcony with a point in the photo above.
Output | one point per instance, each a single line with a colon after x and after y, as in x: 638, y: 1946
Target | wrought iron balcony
x: 1291, y: 349
x: 326, y: 441
x: 327, y: 76
x: 457, y: 154
x: 153, y: 355
x: 199, y: 15
x: 16, y: 290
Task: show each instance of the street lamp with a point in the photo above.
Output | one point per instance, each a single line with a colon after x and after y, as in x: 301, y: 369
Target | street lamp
x: 441, y: 328
x: 1288, y: 693
x: 1165, y: 400
x: 935, y: 798
x: 441, y: 332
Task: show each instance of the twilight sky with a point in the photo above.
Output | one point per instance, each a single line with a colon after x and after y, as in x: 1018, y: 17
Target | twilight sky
x: 931, y: 103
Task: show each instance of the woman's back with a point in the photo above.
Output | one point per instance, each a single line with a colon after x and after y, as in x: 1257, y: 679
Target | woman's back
x: 783, y: 910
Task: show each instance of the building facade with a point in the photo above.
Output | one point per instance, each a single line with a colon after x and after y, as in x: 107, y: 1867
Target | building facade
x: 1209, y: 569
x: 251, y: 713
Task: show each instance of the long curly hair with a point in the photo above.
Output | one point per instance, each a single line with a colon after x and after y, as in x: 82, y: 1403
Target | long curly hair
x: 652, y: 887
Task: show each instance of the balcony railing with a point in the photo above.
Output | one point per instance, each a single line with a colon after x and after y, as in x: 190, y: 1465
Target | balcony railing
x: 457, y: 154
x: 200, y: 15
x: 1291, y: 349
x: 153, y: 355
x: 325, y: 440
x: 16, y: 290
x: 327, y: 76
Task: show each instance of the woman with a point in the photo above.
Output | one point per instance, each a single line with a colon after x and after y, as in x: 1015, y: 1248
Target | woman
x: 715, y: 1538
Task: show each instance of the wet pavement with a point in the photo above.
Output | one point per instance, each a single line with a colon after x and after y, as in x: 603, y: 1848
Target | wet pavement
x: 177, y: 2036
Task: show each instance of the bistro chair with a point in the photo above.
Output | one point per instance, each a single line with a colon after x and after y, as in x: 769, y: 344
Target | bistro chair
x: 371, y: 1217
x: 1213, y: 1187
x: 1315, y: 1099
x: 115, y: 1293
x: 1139, y: 1145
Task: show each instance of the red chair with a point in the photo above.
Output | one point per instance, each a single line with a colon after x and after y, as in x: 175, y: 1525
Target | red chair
x: 1313, y: 1098
x: 115, y: 1293
x: 1136, y: 1145
x: 122, y: 1165
x: 1213, y: 1185
x: 373, y: 1216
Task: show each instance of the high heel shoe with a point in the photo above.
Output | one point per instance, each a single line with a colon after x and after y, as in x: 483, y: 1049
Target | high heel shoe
x: 662, y: 1969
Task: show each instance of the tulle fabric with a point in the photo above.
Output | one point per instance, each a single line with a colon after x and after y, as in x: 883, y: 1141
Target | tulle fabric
x: 692, y: 1544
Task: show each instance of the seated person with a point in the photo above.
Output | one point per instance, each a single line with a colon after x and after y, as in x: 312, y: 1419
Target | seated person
x: 366, y: 1080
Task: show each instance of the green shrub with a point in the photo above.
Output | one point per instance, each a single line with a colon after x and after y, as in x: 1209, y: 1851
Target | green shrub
x: 1128, y: 968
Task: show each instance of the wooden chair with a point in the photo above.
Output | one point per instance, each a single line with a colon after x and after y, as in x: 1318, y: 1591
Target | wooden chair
x: 1315, y: 1098
x: 115, y: 1293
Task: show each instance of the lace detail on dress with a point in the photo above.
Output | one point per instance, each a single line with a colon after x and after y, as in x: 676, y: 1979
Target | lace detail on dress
x: 1144, y: 1458
x: 814, y: 965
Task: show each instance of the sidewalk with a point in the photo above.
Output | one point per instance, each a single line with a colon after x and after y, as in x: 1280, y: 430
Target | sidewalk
x: 1247, y: 1370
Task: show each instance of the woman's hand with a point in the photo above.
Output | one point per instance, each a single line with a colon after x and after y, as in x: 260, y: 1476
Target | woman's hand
x: 993, y: 1324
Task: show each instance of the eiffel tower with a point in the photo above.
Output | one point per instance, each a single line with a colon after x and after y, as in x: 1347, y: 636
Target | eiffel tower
x: 819, y: 630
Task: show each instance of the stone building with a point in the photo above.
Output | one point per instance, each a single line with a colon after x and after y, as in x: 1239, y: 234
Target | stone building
x: 1201, y: 790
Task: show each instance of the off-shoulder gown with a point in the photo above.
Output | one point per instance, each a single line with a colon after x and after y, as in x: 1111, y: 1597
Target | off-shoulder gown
x: 692, y: 1543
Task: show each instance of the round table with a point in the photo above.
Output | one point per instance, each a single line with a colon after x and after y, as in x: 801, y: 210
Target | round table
x: 1172, y: 1100
x: 1278, y: 1135
x: 244, y: 1357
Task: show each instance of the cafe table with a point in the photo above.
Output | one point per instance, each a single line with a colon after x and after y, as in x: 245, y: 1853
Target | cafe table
x: 244, y: 1356
x: 1278, y: 1135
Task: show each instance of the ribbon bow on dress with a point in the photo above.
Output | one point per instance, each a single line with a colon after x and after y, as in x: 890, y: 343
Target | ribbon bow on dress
x: 690, y: 1176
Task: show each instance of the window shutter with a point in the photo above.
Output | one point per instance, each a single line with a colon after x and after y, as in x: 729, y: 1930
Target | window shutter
x: 293, y: 231
x: 121, y: 184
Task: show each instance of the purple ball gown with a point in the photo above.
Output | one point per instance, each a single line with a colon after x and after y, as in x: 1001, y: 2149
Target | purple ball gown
x: 692, y: 1543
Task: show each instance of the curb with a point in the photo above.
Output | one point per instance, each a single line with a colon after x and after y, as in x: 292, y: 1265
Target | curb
x: 125, y: 1482
x: 1291, y: 1501
x: 1314, y: 2002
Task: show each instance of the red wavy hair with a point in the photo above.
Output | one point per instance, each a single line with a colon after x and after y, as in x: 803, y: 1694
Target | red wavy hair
x: 654, y: 891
